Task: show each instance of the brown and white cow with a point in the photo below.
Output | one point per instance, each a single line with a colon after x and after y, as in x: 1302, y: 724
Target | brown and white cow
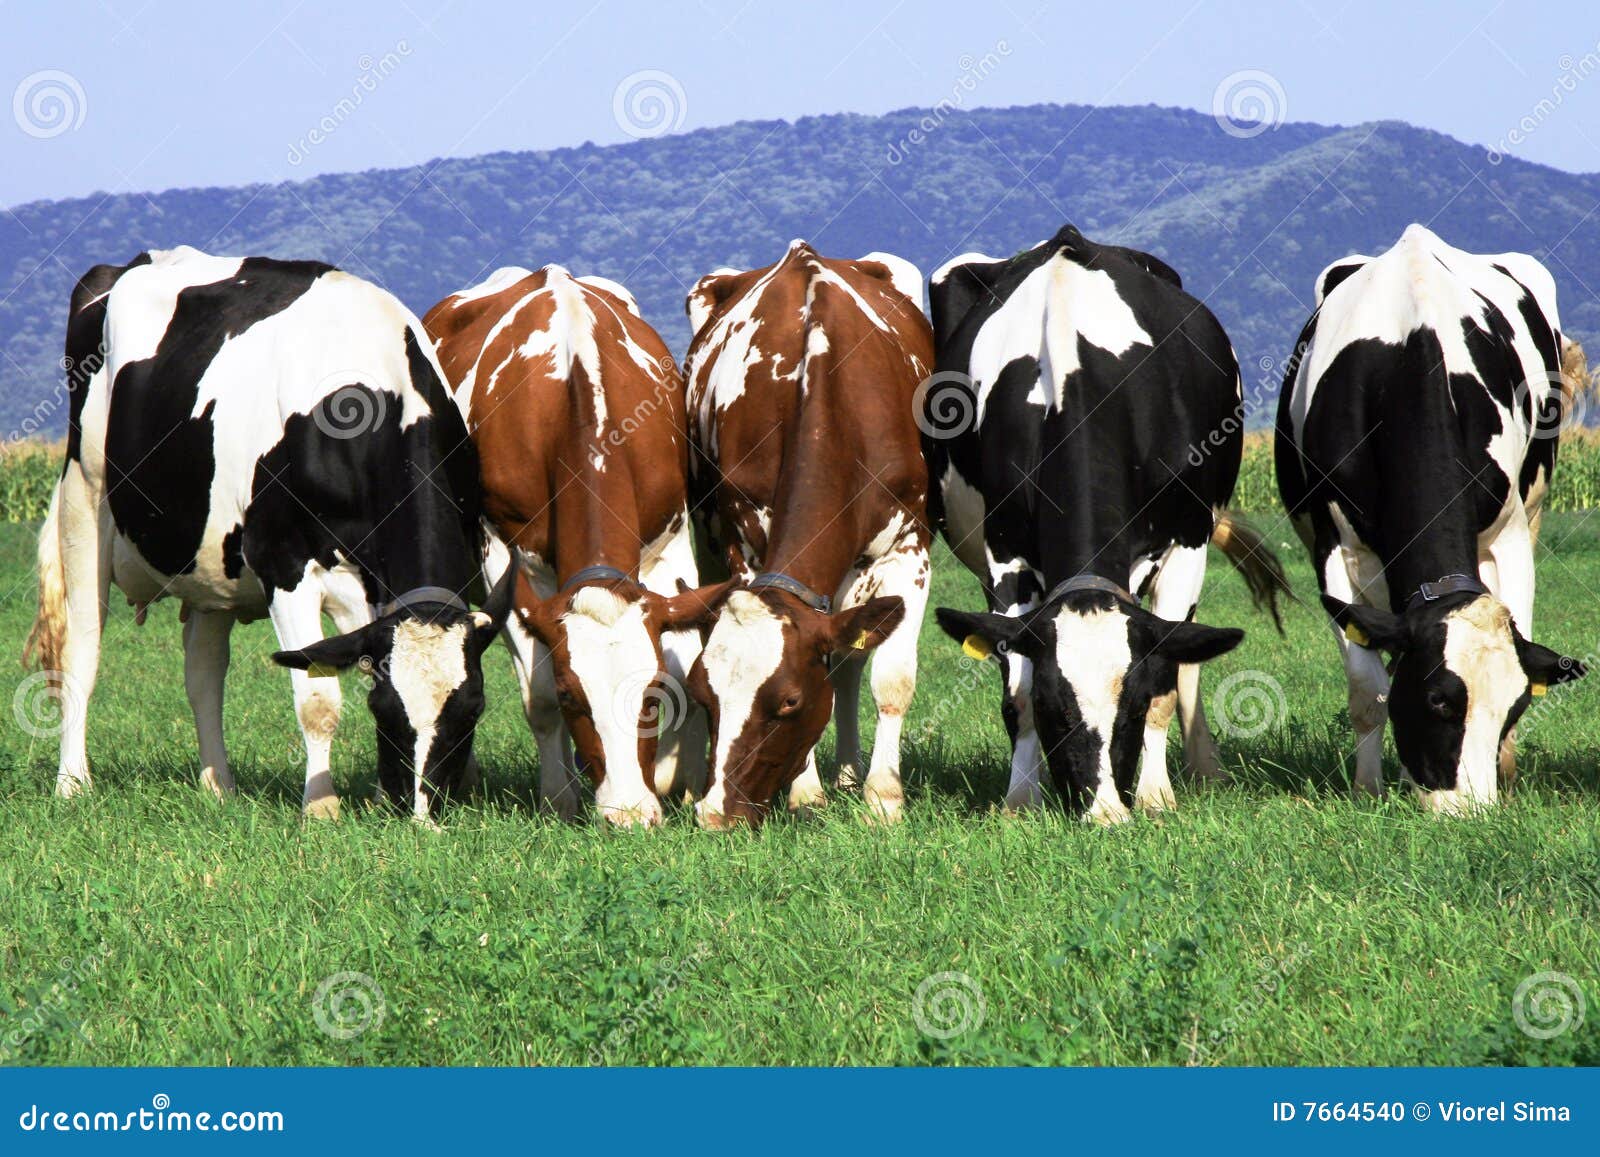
x: 801, y: 380
x: 577, y: 411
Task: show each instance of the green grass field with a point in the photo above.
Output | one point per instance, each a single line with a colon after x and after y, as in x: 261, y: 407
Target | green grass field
x: 1269, y: 921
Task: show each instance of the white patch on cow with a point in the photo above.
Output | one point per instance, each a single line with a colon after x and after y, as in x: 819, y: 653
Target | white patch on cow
x: 1480, y: 650
x: 743, y: 651
x: 964, y: 512
x: 426, y: 665
x: 1093, y: 653
x: 614, y: 288
x: 609, y: 647
x: 903, y: 275
x: 502, y: 278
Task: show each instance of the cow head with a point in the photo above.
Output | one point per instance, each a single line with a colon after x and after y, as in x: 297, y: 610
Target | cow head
x: 425, y: 664
x: 616, y: 697
x: 1461, y: 678
x: 763, y: 679
x: 1098, y: 660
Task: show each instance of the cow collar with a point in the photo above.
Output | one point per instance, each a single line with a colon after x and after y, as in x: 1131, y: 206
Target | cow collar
x: 1450, y: 584
x: 596, y: 574
x: 416, y: 597
x: 777, y: 580
x: 1089, y: 582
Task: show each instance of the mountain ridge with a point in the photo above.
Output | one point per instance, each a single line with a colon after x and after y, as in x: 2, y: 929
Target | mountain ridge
x: 1247, y: 221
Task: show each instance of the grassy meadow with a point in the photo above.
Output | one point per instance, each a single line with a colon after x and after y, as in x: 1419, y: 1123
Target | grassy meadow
x: 1271, y: 920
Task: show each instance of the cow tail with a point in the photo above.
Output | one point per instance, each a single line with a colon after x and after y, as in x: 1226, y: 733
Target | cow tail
x: 49, y: 632
x: 1577, y: 387
x: 1246, y: 548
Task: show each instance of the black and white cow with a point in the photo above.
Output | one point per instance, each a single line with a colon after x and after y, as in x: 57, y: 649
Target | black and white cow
x: 1083, y: 437
x: 1416, y: 435
x: 260, y: 437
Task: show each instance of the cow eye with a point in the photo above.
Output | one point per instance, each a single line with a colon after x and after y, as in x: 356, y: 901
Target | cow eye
x: 790, y: 704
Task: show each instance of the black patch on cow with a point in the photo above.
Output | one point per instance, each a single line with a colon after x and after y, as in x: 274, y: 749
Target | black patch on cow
x: 85, y: 345
x: 159, y: 459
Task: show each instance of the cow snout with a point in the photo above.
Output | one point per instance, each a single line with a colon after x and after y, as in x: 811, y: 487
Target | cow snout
x: 645, y: 812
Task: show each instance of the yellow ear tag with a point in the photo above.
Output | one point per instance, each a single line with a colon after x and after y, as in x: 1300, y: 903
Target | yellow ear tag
x: 1356, y: 635
x: 976, y: 647
x: 321, y: 671
x: 861, y: 642
x: 1537, y: 689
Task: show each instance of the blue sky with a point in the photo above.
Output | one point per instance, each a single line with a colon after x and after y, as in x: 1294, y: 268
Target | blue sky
x: 126, y: 95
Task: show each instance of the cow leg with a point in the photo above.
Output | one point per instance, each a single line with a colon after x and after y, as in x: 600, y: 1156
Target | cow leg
x: 681, y: 754
x: 847, y: 721
x: 558, y: 782
x: 85, y: 537
x: 805, y: 793
x: 1508, y: 572
x: 297, y: 619
x: 894, y: 678
x: 205, y: 670
x: 1023, y: 791
x: 1368, y: 684
x: 1176, y: 595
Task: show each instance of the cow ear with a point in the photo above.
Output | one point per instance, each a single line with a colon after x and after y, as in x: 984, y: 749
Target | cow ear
x: 329, y: 656
x: 982, y: 633
x: 691, y: 608
x: 1544, y: 666
x: 865, y: 627
x: 1369, y: 626
x: 487, y: 622
x: 1194, y: 642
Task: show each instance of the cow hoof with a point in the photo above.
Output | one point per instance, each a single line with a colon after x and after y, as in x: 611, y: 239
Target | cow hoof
x: 427, y: 823
x: 1022, y: 802
x: 849, y: 778
x: 220, y: 786
x: 1155, y: 802
x: 646, y: 814
x: 717, y: 821
x: 1107, y: 815
x: 67, y: 787
x: 884, y: 809
x: 563, y: 808
x: 805, y: 802
x: 326, y: 808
